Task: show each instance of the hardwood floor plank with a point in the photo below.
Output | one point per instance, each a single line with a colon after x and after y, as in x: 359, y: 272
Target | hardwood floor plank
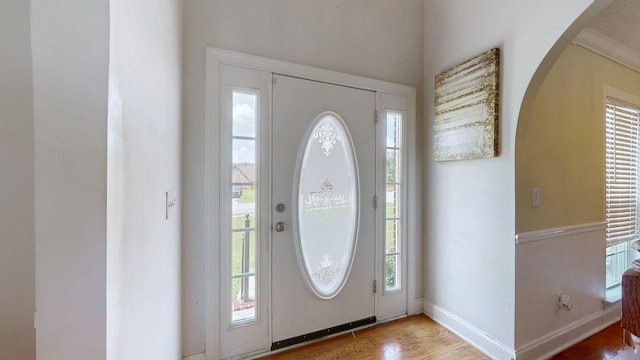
x: 419, y: 337
x: 414, y: 337
x: 608, y: 344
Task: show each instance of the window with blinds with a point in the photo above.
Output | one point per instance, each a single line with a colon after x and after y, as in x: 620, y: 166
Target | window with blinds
x: 621, y: 187
x: 621, y: 172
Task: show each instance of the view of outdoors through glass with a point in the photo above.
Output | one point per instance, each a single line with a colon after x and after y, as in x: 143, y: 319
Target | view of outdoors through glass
x: 244, y: 192
x: 393, y: 200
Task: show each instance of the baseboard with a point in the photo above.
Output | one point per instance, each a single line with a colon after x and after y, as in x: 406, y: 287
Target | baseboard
x: 468, y: 332
x: 542, y: 348
x: 553, y: 343
x: 200, y: 356
x: 415, y: 306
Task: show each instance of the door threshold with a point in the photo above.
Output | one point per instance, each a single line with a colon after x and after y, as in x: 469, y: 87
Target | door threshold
x: 322, y: 333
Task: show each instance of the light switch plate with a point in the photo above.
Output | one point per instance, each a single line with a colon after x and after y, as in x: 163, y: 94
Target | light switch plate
x: 535, y: 197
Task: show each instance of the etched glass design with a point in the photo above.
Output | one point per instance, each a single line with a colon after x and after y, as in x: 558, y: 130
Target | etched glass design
x: 327, y: 206
x: 327, y: 135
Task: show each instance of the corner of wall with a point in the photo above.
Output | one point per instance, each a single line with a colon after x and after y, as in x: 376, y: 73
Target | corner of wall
x: 468, y: 332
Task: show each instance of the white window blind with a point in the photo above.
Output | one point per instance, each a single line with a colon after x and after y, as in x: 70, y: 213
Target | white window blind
x: 621, y: 172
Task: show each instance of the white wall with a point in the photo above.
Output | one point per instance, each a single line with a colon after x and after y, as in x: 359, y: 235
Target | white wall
x: 469, y: 252
x: 567, y: 261
x: 378, y: 39
x: 69, y: 41
x: 17, y: 261
x: 144, y: 131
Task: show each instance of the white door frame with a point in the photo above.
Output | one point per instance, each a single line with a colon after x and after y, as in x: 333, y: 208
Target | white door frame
x: 386, y: 92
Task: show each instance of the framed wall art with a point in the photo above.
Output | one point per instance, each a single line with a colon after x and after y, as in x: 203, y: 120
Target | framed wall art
x: 466, y: 109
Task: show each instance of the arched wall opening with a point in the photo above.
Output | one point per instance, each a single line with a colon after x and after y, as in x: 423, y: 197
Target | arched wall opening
x: 553, y: 149
x: 560, y: 150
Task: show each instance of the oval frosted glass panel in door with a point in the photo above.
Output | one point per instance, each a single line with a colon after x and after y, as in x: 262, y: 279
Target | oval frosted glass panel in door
x: 327, y: 205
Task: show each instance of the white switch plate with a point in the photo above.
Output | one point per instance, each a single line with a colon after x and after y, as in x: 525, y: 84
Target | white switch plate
x: 171, y: 202
x: 535, y: 197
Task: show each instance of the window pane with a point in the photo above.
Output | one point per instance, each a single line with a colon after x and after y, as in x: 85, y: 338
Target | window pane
x: 393, y: 196
x: 616, y: 264
x: 244, y: 114
x: 391, y: 272
x: 392, y: 201
x: 393, y: 165
x: 392, y: 236
x: 243, y: 246
x: 244, y: 194
x: 244, y: 152
x: 393, y: 129
x: 243, y: 307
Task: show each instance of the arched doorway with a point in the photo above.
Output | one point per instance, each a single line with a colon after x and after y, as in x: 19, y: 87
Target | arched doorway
x: 560, y: 156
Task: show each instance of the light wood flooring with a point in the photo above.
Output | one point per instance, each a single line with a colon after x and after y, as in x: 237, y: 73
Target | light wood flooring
x: 418, y: 337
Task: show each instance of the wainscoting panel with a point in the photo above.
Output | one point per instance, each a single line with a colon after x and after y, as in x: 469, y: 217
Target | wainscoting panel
x: 554, y: 262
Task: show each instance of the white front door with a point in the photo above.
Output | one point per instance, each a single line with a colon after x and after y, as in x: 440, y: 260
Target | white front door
x: 295, y: 166
x: 323, y: 215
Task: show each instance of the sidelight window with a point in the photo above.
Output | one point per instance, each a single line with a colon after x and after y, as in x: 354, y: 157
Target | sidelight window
x: 244, y: 190
x: 393, y: 201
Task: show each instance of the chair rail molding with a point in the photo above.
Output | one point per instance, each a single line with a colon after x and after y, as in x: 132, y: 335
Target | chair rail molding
x: 558, y: 232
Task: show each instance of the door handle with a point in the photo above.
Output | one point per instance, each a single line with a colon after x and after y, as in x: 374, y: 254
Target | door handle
x: 280, y: 226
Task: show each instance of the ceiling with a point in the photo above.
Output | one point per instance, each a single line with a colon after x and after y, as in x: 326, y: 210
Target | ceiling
x: 621, y: 22
x: 615, y: 33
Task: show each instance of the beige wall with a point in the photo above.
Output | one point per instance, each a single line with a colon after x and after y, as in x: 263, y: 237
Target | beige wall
x: 560, y: 142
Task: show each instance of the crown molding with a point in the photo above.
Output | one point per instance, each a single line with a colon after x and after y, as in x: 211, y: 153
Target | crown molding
x: 612, y: 49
